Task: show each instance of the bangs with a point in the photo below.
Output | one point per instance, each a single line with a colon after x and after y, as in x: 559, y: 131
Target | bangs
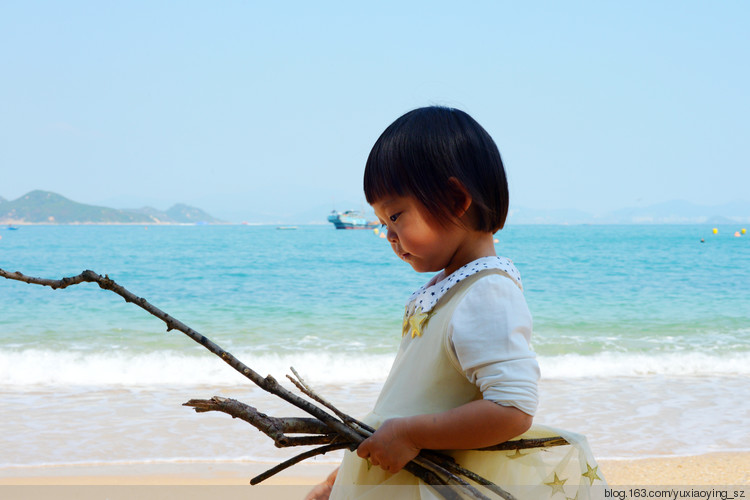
x: 386, y: 173
x: 403, y: 163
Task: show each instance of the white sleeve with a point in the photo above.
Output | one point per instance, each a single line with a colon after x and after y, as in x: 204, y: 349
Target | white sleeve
x: 490, y: 333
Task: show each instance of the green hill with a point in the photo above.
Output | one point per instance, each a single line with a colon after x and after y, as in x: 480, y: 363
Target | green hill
x: 179, y: 213
x: 185, y: 213
x: 44, y: 207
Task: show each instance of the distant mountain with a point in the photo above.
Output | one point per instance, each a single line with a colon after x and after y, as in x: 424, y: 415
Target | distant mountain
x: 185, y: 214
x: 683, y: 212
x: 179, y: 213
x: 671, y: 212
x: 45, y: 207
x: 521, y: 215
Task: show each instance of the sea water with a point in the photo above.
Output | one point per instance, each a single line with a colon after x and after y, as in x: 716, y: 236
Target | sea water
x: 642, y: 335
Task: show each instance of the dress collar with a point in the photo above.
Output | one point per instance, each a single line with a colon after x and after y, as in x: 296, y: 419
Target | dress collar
x: 431, y: 292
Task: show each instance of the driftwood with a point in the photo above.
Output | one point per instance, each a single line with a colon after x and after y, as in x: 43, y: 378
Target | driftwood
x: 331, y: 431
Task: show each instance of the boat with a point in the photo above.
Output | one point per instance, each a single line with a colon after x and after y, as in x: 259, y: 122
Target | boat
x: 11, y: 227
x: 351, y: 219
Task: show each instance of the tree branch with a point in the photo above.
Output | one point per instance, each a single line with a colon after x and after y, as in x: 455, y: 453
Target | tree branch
x: 273, y: 427
x: 364, y: 429
x: 433, y: 468
x: 296, y: 459
x: 268, y: 383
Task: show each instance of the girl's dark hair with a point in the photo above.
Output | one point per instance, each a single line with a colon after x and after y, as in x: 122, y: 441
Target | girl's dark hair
x: 419, y: 153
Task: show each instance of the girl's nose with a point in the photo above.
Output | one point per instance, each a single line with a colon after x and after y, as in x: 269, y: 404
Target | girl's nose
x: 392, y: 237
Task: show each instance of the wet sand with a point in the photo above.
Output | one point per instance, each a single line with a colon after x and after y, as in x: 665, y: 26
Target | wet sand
x: 231, y: 480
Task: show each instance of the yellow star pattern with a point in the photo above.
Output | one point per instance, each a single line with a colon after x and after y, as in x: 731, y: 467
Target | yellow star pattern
x: 574, y: 498
x: 416, y: 322
x: 557, y: 485
x: 591, y: 473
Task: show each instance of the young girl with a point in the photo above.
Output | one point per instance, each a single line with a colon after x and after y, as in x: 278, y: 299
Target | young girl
x: 465, y: 376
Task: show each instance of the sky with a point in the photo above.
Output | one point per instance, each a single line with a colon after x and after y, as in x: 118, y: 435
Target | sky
x: 253, y: 110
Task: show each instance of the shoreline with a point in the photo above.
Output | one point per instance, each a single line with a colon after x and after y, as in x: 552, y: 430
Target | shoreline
x: 144, y: 223
x: 161, y: 474
x: 717, y: 468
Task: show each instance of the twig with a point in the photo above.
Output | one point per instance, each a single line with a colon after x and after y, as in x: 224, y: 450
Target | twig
x: 299, y: 382
x: 273, y: 427
x: 451, y: 479
x: 450, y: 464
x: 296, y: 459
x: 523, y: 444
x: 438, y: 484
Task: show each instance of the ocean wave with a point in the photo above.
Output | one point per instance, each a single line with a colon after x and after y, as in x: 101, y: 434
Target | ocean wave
x: 611, y: 364
x: 39, y: 367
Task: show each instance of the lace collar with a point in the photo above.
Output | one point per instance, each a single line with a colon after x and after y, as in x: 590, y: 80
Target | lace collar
x: 420, y: 304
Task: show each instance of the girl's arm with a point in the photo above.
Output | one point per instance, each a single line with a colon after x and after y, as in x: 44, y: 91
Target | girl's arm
x: 474, y: 425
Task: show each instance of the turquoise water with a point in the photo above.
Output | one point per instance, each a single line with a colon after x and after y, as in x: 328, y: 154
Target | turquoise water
x: 592, y: 289
x: 652, y: 305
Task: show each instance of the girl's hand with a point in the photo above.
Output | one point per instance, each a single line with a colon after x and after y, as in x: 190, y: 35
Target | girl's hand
x: 323, y: 490
x: 390, y: 446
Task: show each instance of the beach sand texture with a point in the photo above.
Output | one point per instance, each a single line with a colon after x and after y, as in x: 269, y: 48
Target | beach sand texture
x: 231, y: 480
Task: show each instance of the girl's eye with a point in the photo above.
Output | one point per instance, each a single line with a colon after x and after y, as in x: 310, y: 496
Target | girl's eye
x: 394, y: 217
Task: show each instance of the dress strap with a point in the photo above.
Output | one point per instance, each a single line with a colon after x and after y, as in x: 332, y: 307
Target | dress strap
x: 416, y: 317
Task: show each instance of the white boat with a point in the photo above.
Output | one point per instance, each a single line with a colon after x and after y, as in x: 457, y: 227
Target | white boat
x: 351, y: 220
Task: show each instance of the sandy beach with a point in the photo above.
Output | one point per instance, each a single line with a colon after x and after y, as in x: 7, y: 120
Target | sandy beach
x: 709, y: 469
x: 185, y: 481
x: 719, y: 471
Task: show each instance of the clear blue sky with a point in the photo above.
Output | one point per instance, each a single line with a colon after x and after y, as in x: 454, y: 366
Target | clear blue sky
x: 249, y: 108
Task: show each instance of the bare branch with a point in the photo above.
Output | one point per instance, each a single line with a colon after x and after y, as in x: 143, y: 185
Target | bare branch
x: 268, y: 383
x: 361, y: 427
x: 451, y: 465
x: 273, y: 427
x: 432, y: 467
x: 524, y: 444
x: 238, y: 409
x: 296, y: 459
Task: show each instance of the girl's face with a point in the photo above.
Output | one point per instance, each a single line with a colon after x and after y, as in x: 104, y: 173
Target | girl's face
x: 417, y: 238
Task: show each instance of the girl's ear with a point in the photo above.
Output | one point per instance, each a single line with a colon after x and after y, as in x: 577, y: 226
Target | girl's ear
x: 461, y: 199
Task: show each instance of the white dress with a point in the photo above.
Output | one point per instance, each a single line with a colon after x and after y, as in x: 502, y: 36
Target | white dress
x: 466, y: 337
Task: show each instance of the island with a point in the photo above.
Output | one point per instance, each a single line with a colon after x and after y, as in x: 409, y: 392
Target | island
x: 46, y: 207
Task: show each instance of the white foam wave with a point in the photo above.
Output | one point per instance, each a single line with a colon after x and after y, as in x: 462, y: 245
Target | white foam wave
x: 610, y: 364
x: 38, y: 367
